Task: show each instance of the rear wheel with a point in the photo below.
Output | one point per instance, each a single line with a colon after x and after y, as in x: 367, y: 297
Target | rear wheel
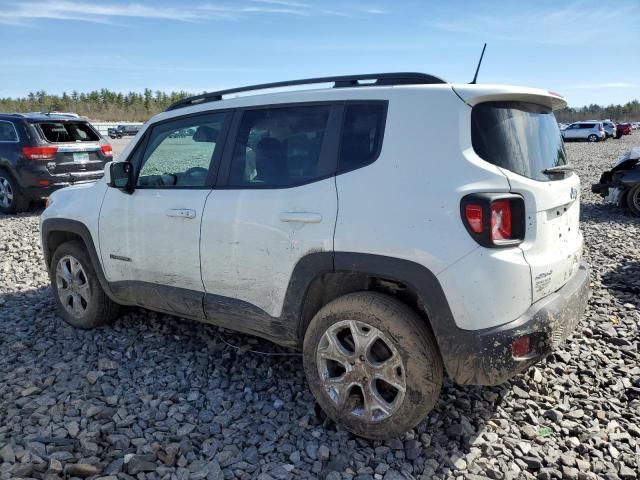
x: 372, y: 364
x: 593, y: 138
x: 633, y: 200
x: 12, y: 199
x: 81, y: 300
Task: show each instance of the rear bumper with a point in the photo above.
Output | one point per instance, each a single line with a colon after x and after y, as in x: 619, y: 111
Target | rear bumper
x: 40, y: 192
x: 484, y: 357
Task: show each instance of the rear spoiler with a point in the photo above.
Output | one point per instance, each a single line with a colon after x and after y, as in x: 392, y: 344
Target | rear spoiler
x: 474, y: 94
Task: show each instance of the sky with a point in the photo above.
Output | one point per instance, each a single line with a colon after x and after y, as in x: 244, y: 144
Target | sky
x: 586, y: 50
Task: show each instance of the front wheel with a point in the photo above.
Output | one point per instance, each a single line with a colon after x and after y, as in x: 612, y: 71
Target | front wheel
x: 633, y: 199
x: 593, y: 138
x: 372, y: 364
x: 80, y: 298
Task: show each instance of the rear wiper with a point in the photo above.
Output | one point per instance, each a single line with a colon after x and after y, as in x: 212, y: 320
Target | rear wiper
x: 559, y: 169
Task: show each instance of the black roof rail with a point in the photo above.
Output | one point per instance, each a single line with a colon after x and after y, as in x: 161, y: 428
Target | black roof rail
x: 376, y: 79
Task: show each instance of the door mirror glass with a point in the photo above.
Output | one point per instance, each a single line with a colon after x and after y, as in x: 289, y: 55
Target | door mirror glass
x: 122, y: 176
x: 205, y: 133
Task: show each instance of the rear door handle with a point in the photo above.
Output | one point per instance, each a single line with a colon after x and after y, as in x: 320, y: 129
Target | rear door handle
x: 300, y: 217
x: 181, y: 213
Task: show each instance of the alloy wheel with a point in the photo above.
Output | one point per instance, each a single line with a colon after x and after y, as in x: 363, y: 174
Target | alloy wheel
x: 73, y: 286
x: 361, y: 370
x: 6, y: 193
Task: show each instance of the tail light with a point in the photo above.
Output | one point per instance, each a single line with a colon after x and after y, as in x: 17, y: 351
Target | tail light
x: 501, y: 220
x: 473, y: 215
x: 601, y: 128
x: 39, y: 153
x: 107, y: 151
x: 494, y: 220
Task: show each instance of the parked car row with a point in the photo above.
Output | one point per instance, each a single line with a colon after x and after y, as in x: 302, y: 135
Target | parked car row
x: 595, y: 130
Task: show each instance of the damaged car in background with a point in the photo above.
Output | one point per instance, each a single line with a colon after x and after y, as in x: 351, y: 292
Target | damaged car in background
x: 621, y: 184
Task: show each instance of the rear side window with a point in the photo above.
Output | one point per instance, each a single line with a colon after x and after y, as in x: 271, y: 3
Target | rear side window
x: 63, y: 132
x: 587, y: 125
x: 362, y: 133
x: 280, y: 147
x: 8, y: 132
x: 517, y: 136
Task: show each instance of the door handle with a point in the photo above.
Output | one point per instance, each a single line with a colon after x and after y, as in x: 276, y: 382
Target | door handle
x: 181, y: 213
x: 300, y: 217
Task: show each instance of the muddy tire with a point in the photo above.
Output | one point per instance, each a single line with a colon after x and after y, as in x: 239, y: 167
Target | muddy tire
x: 12, y: 199
x: 633, y: 200
x: 372, y: 364
x: 81, y: 301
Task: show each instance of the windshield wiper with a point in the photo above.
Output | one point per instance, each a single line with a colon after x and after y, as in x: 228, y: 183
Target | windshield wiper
x: 559, y: 169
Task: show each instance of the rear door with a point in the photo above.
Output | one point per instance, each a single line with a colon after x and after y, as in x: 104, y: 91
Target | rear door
x: 522, y: 138
x: 276, y: 203
x: 585, y: 130
x: 81, y: 152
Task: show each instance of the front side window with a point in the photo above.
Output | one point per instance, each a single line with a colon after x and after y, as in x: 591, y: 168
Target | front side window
x: 180, y: 153
x: 362, y: 132
x: 8, y: 132
x: 68, y: 132
x: 279, y: 147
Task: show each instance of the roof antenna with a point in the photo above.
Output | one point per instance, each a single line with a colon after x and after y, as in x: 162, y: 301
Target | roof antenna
x: 475, y: 77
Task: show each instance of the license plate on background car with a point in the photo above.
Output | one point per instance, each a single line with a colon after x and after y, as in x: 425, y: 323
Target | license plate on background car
x: 80, y: 156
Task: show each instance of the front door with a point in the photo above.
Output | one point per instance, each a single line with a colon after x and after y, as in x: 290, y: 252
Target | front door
x: 572, y: 131
x: 149, y: 240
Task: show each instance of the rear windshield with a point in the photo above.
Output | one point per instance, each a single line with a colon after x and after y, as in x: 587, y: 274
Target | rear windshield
x: 63, y: 132
x: 521, y: 137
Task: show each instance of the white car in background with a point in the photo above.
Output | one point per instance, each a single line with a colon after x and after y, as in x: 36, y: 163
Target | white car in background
x: 590, y: 131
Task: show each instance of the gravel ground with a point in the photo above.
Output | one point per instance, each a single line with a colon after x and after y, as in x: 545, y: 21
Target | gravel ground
x: 154, y: 396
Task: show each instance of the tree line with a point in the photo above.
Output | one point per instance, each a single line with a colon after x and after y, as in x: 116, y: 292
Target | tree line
x: 106, y: 105
x: 629, y: 112
x: 98, y: 105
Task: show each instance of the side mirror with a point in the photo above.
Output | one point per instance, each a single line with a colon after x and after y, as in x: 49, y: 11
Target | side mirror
x: 205, y: 133
x: 121, y: 174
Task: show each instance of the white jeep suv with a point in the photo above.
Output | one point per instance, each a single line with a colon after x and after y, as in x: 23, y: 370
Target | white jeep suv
x: 394, y: 227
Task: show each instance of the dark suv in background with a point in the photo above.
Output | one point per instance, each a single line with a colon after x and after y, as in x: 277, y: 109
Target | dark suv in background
x: 40, y: 153
x: 123, y: 130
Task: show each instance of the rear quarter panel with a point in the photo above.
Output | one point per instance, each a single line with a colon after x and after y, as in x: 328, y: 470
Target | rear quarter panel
x: 407, y: 205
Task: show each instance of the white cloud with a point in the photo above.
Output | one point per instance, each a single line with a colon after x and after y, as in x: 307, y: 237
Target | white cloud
x: 14, y: 12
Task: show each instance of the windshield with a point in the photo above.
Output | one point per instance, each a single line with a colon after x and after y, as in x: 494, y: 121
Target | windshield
x: 64, y: 132
x: 518, y: 136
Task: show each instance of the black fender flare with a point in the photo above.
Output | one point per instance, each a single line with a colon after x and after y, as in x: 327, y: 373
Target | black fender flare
x: 8, y: 167
x: 415, y: 276
x: 65, y: 225
x: 418, y: 278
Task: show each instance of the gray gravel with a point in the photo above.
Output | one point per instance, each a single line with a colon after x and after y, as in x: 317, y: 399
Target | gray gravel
x: 154, y: 396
